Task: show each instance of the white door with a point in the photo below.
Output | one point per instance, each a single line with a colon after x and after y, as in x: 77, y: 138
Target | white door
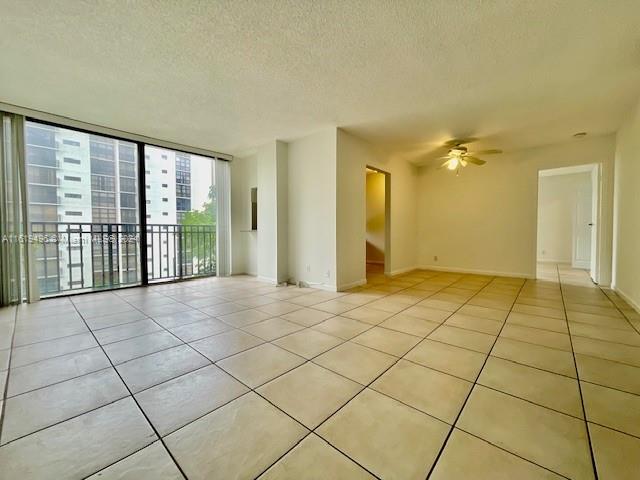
x: 595, y: 195
x: 582, y: 227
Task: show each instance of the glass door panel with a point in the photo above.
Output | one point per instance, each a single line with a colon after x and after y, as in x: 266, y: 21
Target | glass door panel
x: 180, y: 214
x: 83, y: 209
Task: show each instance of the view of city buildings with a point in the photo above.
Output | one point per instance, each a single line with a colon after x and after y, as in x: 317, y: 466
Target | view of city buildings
x: 84, y: 188
x: 170, y: 195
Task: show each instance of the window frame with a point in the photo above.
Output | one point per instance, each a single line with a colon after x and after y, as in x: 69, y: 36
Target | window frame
x: 139, y: 164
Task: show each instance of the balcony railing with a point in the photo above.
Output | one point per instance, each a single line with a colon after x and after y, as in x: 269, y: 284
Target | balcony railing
x: 99, y: 256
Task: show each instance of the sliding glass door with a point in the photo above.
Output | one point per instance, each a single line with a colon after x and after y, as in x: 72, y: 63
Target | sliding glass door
x: 180, y: 214
x: 83, y: 209
x: 98, y: 222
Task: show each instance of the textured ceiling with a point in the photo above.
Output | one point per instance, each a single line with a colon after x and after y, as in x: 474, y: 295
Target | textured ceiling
x: 229, y: 75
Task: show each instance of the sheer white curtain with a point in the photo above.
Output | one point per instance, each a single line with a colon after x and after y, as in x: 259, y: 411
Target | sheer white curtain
x: 223, y: 217
x: 14, y: 249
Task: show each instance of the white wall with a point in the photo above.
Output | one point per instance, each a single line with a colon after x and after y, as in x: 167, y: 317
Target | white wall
x: 375, y: 194
x: 485, y: 220
x: 244, y: 243
x: 627, y: 210
x: 296, y: 237
x: 272, y: 212
x: 324, y: 213
x: 557, y: 200
x: 312, y: 209
x: 267, y: 213
x: 354, y: 154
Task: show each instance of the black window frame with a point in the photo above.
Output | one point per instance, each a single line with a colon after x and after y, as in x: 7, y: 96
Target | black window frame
x: 139, y: 166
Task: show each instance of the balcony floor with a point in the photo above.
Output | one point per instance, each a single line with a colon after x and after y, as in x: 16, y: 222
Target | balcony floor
x: 426, y: 374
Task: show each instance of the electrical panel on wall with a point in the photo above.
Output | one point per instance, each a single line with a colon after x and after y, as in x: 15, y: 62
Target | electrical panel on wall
x: 254, y: 208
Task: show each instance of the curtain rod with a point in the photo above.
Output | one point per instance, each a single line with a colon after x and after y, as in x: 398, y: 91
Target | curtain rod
x: 71, y: 123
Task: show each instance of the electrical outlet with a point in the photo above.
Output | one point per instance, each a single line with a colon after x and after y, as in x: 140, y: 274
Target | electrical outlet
x: 328, y: 273
x: 308, y: 268
x: 435, y: 258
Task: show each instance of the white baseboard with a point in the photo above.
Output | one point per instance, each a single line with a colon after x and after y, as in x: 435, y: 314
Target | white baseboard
x: 322, y: 286
x: 267, y: 279
x: 472, y: 271
x: 400, y: 271
x: 627, y: 298
x: 253, y: 274
x: 347, y: 286
x: 552, y: 260
x: 319, y: 286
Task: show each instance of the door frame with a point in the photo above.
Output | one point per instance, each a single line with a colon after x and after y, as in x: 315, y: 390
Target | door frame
x: 596, y: 192
x: 387, y: 218
x: 595, y: 169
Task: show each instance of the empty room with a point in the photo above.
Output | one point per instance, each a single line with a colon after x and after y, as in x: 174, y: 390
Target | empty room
x: 325, y: 239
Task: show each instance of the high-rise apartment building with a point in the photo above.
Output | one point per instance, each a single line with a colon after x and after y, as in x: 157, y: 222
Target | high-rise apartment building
x: 84, y: 188
x: 168, y: 197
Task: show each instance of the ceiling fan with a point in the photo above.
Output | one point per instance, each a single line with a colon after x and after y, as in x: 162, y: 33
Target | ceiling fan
x: 459, y: 156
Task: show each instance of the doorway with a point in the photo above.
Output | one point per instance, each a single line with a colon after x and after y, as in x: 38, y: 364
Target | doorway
x: 377, y: 221
x: 567, y: 233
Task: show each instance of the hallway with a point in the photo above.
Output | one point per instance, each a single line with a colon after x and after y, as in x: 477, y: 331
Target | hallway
x: 564, y: 273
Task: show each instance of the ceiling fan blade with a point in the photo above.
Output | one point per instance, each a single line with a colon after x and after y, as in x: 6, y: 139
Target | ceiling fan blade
x: 486, y: 152
x: 474, y: 160
x: 444, y: 164
x: 454, y: 142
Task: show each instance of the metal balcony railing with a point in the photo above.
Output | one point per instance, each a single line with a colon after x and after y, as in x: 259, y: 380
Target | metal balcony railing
x: 99, y: 256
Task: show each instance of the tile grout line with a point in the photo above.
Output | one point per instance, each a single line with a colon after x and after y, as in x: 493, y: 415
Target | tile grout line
x: 134, y: 400
x: 619, y: 310
x: 313, y: 431
x: 475, y: 382
x: 364, y: 387
x: 520, y: 363
x: 138, y: 450
x: 254, y: 390
x: 344, y: 341
x: 271, y: 341
x: 431, y: 293
x: 250, y: 390
x: 40, y: 429
x: 607, y: 427
x: 575, y: 364
x: 209, y: 316
x: 402, y: 357
x: 374, y: 325
x: 184, y: 343
x: 511, y: 453
x: 58, y: 382
x: 52, y: 357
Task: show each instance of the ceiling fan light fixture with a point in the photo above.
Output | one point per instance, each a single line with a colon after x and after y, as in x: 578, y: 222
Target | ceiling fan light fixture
x: 459, y: 156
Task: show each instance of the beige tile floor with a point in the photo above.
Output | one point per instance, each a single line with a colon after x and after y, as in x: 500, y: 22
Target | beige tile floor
x: 426, y: 375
